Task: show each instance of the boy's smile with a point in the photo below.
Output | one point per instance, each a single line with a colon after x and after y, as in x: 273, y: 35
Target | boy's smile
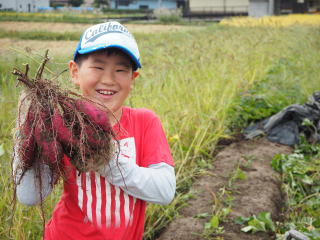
x: 107, y: 79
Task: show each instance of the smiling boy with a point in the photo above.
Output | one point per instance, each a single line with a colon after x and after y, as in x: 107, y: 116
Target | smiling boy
x: 109, y: 203
x: 105, y: 77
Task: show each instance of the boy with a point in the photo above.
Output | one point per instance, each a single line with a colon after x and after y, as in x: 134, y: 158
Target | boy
x: 109, y: 203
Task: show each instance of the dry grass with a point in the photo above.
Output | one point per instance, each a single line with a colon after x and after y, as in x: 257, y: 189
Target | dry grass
x: 70, y: 27
x: 57, y: 48
x: 274, y: 21
x: 43, y: 26
x: 66, y: 48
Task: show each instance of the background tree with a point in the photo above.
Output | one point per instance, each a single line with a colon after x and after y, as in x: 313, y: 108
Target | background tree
x: 101, y: 3
x: 75, y: 3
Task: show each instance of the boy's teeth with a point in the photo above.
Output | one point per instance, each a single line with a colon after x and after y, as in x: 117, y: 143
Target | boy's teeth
x: 106, y: 92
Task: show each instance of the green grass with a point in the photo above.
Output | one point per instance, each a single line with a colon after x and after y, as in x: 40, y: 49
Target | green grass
x: 199, y: 83
x: 40, y: 35
x: 67, y: 17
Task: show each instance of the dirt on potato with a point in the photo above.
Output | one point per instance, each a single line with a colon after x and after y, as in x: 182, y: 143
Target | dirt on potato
x: 260, y: 191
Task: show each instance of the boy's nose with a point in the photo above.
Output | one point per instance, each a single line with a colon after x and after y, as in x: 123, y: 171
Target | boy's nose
x: 108, y: 78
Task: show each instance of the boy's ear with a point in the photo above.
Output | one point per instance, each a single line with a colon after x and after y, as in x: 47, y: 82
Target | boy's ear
x: 74, y: 71
x: 135, y: 75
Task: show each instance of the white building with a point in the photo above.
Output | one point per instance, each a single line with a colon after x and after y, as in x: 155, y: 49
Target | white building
x: 219, y: 6
x: 24, y: 5
x: 143, y: 4
x: 261, y: 8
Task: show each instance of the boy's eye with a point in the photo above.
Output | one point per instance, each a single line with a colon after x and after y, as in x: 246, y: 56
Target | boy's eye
x: 96, y: 67
x: 120, y: 70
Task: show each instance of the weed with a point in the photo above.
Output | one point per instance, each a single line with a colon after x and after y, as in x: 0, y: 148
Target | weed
x: 301, y: 180
x: 260, y: 223
x: 222, y: 205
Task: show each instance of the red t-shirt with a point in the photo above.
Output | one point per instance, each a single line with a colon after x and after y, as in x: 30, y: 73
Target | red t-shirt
x: 91, y: 207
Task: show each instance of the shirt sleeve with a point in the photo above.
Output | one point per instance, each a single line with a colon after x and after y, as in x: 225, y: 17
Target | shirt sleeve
x: 29, y: 191
x: 155, y: 146
x: 153, y: 180
x: 155, y: 184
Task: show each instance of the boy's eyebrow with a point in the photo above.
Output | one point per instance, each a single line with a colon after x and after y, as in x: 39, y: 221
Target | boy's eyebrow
x: 123, y: 63
x: 98, y: 60
x: 120, y: 63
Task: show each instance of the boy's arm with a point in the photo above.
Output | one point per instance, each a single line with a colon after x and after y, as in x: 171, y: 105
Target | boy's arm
x: 153, y: 180
x: 155, y: 184
x: 28, y: 184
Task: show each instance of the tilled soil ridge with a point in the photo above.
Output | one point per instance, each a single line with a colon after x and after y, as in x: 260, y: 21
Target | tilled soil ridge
x: 260, y: 191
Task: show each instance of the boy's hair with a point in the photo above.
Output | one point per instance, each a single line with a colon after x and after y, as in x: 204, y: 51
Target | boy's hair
x: 108, y: 35
x: 109, y: 52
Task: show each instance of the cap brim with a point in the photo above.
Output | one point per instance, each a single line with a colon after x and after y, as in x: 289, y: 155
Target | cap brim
x: 96, y: 48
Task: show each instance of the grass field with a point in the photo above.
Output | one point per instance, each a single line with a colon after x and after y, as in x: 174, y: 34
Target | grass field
x: 204, y: 83
x: 67, y: 17
x: 79, y: 28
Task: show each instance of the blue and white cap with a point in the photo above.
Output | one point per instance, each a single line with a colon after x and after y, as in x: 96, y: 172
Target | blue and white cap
x: 109, y: 35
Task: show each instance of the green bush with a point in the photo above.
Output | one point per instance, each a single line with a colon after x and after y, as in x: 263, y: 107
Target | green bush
x: 167, y: 19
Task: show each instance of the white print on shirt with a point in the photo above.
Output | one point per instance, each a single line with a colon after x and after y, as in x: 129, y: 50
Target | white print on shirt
x: 103, y: 203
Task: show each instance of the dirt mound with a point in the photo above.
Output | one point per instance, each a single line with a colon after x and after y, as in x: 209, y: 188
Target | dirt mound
x: 260, y: 191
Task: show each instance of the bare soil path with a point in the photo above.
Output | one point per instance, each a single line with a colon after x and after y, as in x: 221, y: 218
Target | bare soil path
x: 260, y: 191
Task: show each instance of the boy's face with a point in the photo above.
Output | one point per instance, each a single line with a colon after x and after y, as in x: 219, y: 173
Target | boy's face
x: 105, y: 79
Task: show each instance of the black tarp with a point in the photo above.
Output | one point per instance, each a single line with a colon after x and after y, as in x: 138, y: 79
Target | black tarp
x: 286, y: 126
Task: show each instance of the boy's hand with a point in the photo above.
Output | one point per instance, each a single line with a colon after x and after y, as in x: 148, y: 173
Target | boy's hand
x: 88, y: 140
x: 94, y: 115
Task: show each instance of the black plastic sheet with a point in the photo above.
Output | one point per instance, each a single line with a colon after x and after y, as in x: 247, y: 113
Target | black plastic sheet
x: 286, y: 126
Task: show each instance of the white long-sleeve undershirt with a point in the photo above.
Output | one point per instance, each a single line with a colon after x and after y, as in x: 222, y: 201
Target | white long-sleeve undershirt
x: 154, y: 184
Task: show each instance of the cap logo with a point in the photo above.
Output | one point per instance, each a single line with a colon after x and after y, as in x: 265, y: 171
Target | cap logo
x: 97, y: 37
x: 93, y: 33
